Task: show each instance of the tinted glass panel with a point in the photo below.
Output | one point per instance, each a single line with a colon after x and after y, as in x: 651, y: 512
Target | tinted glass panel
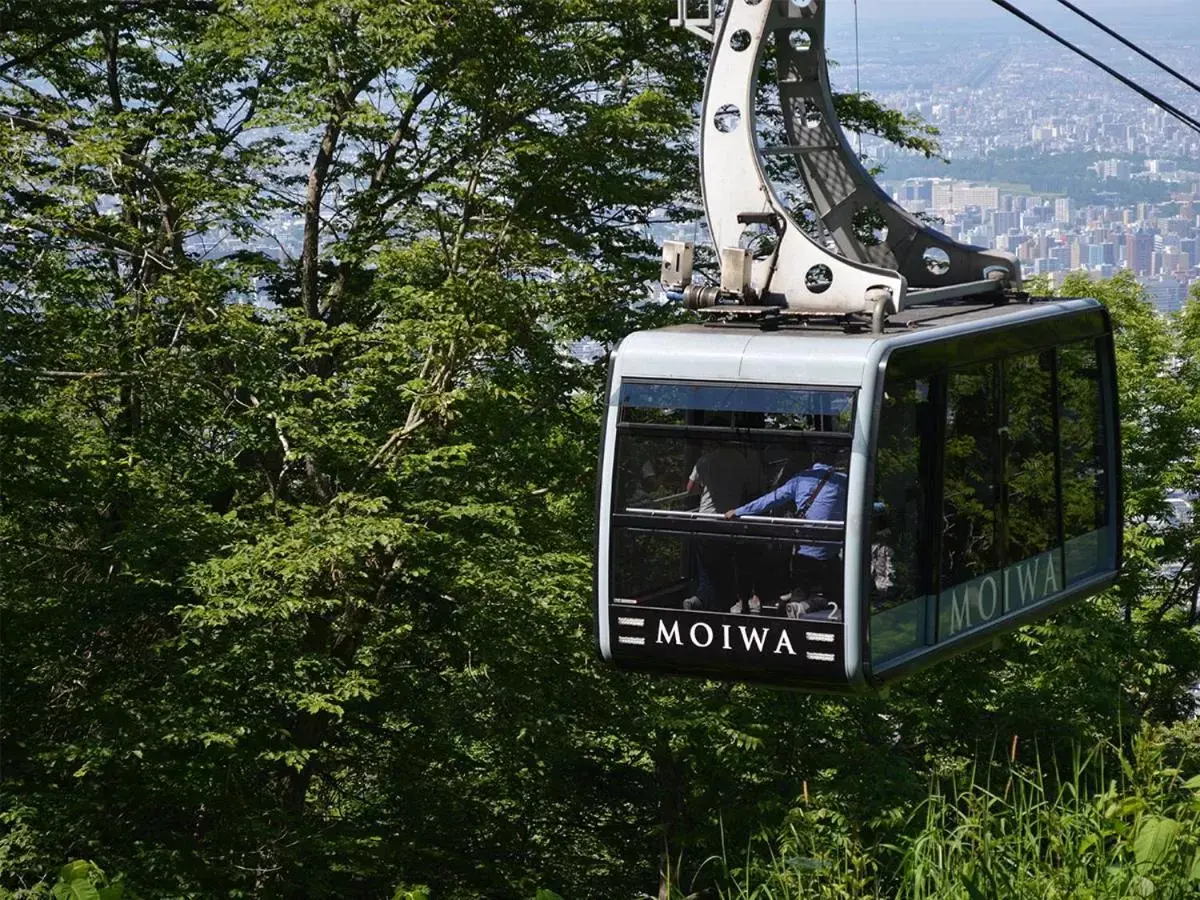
x: 717, y: 573
x: 899, y: 571
x: 1024, y: 505
x: 1032, y: 543
x: 708, y: 497
x: 1085, y: 477
x: 717, y: 473
x: 795, y: 409
x: 970, y: 508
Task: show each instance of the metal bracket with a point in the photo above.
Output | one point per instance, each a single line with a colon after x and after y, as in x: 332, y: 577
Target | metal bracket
x: 801, y: 274
x: 701, y: 26
x: 845, y: 195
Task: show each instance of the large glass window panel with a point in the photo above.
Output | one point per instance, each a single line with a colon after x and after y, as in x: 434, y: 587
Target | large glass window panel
x: 970, y: 592
x: 689, y: 457
x: 1084, y: 461
x: 723, y: 573
x: 795, y: 409
x: 663, y: 472
x: 1033, y: 557
x: 898, y: 574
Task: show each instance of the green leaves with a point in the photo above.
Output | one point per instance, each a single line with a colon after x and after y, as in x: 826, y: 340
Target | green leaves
x: 296, y: 524
x: 82, y: 880
x: 1154, y: 839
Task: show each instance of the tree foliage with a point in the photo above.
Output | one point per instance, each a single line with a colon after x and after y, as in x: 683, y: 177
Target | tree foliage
x: 296, y: 497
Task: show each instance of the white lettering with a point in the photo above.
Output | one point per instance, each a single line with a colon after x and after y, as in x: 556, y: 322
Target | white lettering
x: 725, y: 638
x: 784, y: 642
x: 707, y: 631
x: 1051, y: 581
x: 989, y: 581
x: 1026, y: 576
x: 754, y: 638
x: 960, y: 611
x: 668, y: 637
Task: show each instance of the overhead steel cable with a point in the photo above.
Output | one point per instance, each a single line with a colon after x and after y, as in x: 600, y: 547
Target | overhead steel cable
x: 857, y: 69
x: 1128, y: 82
x: 1130, y: 44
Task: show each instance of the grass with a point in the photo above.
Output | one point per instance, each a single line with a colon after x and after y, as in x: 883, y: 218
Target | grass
x: 1118, y: 824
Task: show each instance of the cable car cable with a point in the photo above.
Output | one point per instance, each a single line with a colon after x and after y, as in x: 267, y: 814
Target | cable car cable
x: 1128, y: 82
x: 857, y: 70
x: 1130, y: 44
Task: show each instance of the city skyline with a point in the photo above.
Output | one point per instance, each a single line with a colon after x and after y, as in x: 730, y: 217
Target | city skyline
x: 998, y: 90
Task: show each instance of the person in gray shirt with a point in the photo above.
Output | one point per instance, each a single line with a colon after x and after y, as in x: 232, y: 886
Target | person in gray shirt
x: 724, y: 477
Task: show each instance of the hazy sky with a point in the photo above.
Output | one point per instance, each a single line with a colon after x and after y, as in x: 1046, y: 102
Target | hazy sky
x: 1144, y: 19
x: 1161, y: 27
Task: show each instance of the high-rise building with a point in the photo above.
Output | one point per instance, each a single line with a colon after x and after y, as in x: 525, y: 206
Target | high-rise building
x: 1139, y: 252
x: 916, y: 191
x: 1112, y: 168
x: 1166, y: 294
x: 1002, y: 221
x: 1177, y: 225
x: 955, y: 196
x: 1063, y: 210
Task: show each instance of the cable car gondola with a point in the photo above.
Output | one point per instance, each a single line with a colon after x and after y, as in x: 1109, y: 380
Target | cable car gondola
x: 964, y: 463
x: 865, y: 460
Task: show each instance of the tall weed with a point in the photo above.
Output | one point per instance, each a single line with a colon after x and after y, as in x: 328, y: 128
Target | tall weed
x: 1119, y: 823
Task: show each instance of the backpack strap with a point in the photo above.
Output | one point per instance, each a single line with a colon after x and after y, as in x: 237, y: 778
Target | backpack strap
x: 802, y: 509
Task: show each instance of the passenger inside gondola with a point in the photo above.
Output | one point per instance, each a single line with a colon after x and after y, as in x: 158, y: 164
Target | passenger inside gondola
x: 723, y: 477
x: 817, y: 493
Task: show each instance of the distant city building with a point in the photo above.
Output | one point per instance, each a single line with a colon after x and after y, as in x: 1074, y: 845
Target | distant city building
x: 1139, y: 252
x: 917, y: 191
x: 1165, y: 294
x: 956, y: 196
x: 1112, y: 168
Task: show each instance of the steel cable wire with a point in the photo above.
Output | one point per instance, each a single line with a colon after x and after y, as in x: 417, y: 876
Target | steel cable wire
x: 1128, y: 82
x: 1130, y: 44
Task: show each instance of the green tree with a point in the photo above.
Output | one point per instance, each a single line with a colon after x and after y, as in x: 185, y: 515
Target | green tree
x: 296, y: 531
x: 296, y: 500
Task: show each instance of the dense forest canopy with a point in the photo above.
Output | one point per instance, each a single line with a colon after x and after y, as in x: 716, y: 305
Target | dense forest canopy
x: 296, y: 484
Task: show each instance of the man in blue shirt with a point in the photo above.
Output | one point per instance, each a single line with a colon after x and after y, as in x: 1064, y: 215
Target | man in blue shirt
x: 819, y: 494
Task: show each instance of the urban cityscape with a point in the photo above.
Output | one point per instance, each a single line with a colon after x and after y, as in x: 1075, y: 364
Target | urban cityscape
x: 1049, y: 158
